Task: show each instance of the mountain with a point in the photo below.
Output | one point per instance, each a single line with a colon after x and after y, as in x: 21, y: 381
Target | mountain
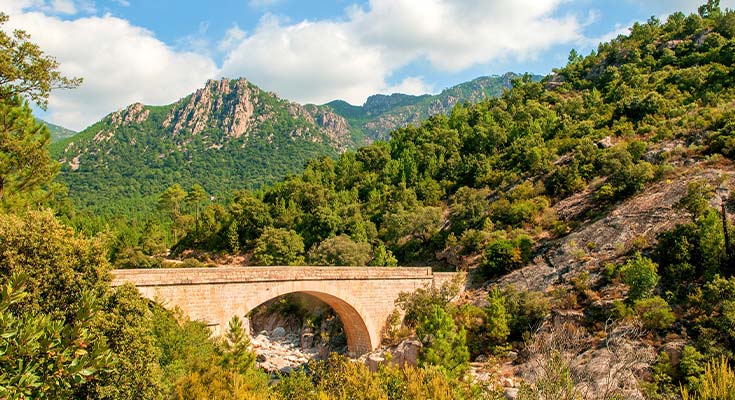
x: 228, y: 135
x: 231, y: 135
x: 58, y: 133
x: 382, y: 114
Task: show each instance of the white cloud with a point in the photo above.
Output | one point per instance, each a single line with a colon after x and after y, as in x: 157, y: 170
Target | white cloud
x: 410, y: 85
x: 233, y: 36
x: 353, y: 58
x: 64, y: 6
x: 120, y: 63
x: 124, y: 3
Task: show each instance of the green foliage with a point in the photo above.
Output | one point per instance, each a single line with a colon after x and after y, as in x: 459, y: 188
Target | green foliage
x: 278, y: 246
x: 526, y: 309
x: 338, y: 378
x: 422, y: 301
x: 340, y: 250
x: 46, y: 358
x: 60, y: 265
x: 182, y: 345
x: 26, y: 71
x: 444, y: 346
x: 238, y: 356
x: 126, y: 324
x: 654, y: 312
x: 640, y: 274
x: 504, y: 255
x: 26, y: 169
x: 716, y: 383
x: 496, y: 319
x: 383, y: 257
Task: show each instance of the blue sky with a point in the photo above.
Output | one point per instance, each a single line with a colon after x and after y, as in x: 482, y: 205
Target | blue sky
x: 156, y: 51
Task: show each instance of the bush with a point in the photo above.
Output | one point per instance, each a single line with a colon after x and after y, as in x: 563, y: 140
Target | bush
x: 504, y: 255
x: 340, y: 250
x: 278, y: 246
x: 639, y: 273
x: 445, y: 347
x: 717, y: 383
x: 654, y: 312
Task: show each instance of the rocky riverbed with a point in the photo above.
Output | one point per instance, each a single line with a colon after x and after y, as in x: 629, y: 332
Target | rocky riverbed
x: 280, y: 352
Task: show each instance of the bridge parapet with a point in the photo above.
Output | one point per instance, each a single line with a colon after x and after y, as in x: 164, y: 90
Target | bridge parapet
x: 199, y: 276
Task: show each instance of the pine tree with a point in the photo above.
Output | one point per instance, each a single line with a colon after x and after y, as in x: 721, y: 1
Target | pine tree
x: 444, y: 346
x: 496, y: 319
x: 25, y: 164
x: 238, y: 356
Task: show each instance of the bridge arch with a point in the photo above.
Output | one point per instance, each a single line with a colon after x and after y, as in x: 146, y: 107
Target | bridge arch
x: 363, y: 297
x: 355, y: 320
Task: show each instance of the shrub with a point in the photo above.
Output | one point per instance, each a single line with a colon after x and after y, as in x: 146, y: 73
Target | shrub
x: 639, y: 273
x: 340, y: 250
x: 504, y: 255
x: 654, y: 312
x: 279, y: 247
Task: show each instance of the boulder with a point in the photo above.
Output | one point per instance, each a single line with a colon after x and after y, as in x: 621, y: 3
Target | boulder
x: 511, y: 393
x: 373, y: 361
x: 307, y: 340
x: 407, y: 353
x: 278, y: 333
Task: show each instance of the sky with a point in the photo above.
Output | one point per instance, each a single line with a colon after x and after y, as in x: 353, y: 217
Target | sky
x: 157, y: 51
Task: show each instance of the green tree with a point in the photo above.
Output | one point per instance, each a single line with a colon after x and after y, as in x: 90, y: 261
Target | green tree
x: 444, y: 346
x: 277, y: 246
x: 340, y: 250
x: 60, y: 264
x: 238, y: 356
x: 26, y: 71
x: 170, y: 200
x: 252, y: 216
x: 127, y: 325
x: 640, y: 274
x: 233, y: 239
x: 383, y: 257
x: 25, y: 164
x: 496, y: 319
x: 654, y: 312
x: 194, y: 198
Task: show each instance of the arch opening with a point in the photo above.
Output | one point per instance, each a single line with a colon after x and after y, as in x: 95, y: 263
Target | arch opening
x: 355, y: 329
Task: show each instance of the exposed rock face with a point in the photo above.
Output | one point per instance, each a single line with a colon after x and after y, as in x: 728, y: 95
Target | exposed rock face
x: 225, y: 104
x: 133, y: 114
x: 639, y: 219
x: 405, y: 353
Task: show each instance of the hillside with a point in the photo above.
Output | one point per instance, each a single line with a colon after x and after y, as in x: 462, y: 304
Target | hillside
x: 58, y: 133
x: 230, y: 135
x: 382, y: 114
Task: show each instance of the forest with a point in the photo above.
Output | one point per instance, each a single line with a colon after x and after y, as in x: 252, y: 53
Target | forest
x: 476, y: 190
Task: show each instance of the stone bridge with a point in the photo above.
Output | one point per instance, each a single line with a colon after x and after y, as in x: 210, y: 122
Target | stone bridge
x: 363, y: 297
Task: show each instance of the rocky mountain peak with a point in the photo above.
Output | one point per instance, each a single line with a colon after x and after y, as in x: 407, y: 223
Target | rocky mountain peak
x: 132, y: 114
x: 226, y: 104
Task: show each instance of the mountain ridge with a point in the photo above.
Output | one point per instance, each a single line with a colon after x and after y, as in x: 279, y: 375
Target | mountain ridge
x: 232, y: 135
